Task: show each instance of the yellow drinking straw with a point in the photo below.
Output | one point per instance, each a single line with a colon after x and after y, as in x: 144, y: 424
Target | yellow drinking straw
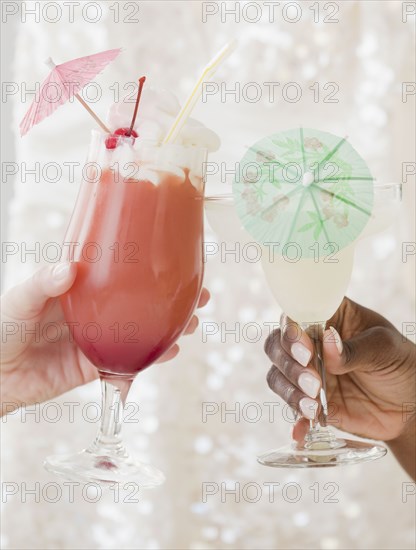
x: 193, y: 97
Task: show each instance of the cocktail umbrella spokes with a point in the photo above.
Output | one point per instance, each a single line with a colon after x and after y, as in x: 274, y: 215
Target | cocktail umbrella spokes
x: 64, y: 82
x: 304, y: 186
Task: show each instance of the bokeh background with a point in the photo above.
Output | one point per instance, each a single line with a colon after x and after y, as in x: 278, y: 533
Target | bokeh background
x: 367, y: 51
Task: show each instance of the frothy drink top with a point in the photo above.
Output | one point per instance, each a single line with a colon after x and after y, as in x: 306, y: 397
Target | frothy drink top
x: 158, y: 110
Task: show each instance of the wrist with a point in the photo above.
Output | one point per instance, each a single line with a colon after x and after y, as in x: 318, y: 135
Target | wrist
x: 404, y: 447
x: 408, y: 433
x: 8, y: 402
x: 7, y: 406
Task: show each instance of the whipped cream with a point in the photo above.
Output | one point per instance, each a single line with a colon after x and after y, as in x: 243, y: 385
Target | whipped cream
x: 157, y: 111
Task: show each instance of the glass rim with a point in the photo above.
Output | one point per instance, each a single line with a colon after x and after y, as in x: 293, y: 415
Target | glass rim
x: 229, y: 197
x: 149, y: 144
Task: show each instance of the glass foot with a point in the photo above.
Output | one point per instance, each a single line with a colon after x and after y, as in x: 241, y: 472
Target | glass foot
x: 104, y: 469
x: 322, y: 454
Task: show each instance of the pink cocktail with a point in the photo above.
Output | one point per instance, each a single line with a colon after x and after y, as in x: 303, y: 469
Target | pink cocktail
x: 136, y: 234
x: 139, y: 269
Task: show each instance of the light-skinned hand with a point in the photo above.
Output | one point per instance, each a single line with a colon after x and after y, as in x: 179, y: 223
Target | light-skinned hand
x: 34, y: 369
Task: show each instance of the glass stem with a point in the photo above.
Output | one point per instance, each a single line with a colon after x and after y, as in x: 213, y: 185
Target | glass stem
x: 318, y: 432
x: 315, y: 332
x: 114, y: 394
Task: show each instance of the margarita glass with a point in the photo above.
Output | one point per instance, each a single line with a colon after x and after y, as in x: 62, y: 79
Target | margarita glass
x: 310, y: 290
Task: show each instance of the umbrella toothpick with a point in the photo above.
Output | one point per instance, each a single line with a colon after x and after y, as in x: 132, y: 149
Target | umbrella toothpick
x: 94, y: 116
x: 50, y: 63
x: 70, y: 77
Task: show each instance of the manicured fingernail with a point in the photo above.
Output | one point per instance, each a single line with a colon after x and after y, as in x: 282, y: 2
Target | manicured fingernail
x: 308, y: 407
x: 337, y: 339
x: 60, y: 271
x: 300, y: 353
x: 309, y: 384
x: 291, y: 331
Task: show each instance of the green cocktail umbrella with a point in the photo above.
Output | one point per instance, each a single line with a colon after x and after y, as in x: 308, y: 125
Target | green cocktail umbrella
x: 306, y: 189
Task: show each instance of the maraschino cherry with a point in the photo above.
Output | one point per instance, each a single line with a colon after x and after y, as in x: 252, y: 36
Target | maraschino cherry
x: 112, y: 141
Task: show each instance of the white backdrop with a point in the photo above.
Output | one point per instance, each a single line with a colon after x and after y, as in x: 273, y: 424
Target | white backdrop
x: 368, y: 54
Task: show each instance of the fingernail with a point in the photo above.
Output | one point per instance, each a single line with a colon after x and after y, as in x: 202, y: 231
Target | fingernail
x: 309, y: 384
x: 291, y: 331
x: 60, y: 271
x: 337, y: 339
x: 300, y: 353
x: 308, y: 407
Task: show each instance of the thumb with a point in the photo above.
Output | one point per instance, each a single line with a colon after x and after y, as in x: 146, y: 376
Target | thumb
x: 27, y: 299
x: 361, y: 351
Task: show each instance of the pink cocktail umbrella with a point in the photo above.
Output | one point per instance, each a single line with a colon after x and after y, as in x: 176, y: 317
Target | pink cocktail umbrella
x: 66, y: 81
